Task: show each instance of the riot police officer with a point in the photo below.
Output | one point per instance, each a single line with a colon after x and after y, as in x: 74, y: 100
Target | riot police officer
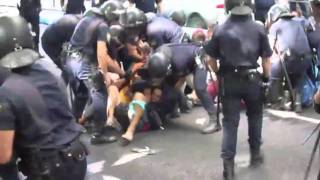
x: 147, y: 6
x: 74, y: 6
x: 166, y: 64
x: 30, y: 10
x: 261, y: 9
x: 90, y: 50
x: 57, y: 34
x: 36, y: 122
x: 292, y: 46
x: 237, y: 44
x: 156, y: 31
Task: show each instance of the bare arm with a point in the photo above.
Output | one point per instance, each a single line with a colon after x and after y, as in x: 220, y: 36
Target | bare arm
x: 134, y: 52
x: 266, y: 66
x: 317, y: 97
x: 6, y: 146
x: 105, y: 62
x: 159, y: 5
x: 212, y: 62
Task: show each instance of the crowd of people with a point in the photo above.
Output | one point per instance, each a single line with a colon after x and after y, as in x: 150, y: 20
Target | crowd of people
x: 127, y: 67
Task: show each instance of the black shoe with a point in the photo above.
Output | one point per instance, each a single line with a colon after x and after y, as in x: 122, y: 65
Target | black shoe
x: 228, y: 169
x: 175, y: 114
x: 256, y: 158
x: 98, y: 139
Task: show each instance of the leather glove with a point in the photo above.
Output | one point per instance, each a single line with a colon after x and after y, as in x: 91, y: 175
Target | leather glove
x: 265, y: 89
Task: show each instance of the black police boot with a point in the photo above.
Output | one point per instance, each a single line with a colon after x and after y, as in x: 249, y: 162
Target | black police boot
x: 175, y: 113
x: 213, y: 126
x: 297, y: 104
x: 256, y: 157
x: 228, y: 169
x: 99, y: 139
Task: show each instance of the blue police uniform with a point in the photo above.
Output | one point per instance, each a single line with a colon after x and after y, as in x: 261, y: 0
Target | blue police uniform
x: 262, y: 8
x: 82, y: 65
x: 45, y: 129
x: 182, y: 64
x: 146, y: 5
x: 314, y: 40
x: 75, y: 7
x: 30, y: 10
x: 9, y: 170
x: 57, y: 34
x: 161, y: 30
x: 291, y: 38
x: 237, y: 44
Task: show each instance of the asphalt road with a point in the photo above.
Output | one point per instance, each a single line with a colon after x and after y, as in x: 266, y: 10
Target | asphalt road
x: 182, y: 153
x: 185, y: 154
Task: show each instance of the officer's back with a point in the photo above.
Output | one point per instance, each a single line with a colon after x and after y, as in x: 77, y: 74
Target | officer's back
x: 290, y: 35
x: 36, y: 121
x: 85, y: 35
x: 46, y: 114
x: 238, y: 37
x: 61, y: 31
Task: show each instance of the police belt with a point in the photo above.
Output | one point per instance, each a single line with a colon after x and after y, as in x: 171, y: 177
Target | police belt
x: 296, y: 56
x: 77, y: 54
x: 239, y: 71
x: 38, y: 162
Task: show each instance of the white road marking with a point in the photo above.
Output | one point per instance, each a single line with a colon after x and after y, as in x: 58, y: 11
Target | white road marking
x: 110, y: 178
x: 287, y: 114
x: 96, y: 167
x: 201, y: 121
x: 128, y: 158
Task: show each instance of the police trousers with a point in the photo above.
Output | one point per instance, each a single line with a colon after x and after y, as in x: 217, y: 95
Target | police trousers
x: 33, y: 17
x: 296, y: 70
x: 234, y: 88
x: 172, y: 96
x: 90, y: 92
x: 9, y: 171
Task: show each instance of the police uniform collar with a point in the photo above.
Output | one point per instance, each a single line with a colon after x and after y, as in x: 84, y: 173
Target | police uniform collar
x: 19, y: 58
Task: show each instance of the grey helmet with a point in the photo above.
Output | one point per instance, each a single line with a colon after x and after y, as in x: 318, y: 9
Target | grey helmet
x: 159, y: 64
x: 92, y: 12
x: 112, y: 9
x: 16, y: 42
x: 133, y: 17
x: 277, y: 11
x: 179, y: 17
x: 239, y: 7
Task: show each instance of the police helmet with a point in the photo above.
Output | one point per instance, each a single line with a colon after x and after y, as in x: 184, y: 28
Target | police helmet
x: 239, y: 7
x: 16, y: 42
x: 179, y: 17
x: 112, y: 10
x: 159, y: 65
x: 92, y: 12
x: 278, y: 11
x: 133, y: 18
x: 117, y: 35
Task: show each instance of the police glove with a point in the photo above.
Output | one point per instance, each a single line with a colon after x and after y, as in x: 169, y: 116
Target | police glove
x: 265, y: 88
